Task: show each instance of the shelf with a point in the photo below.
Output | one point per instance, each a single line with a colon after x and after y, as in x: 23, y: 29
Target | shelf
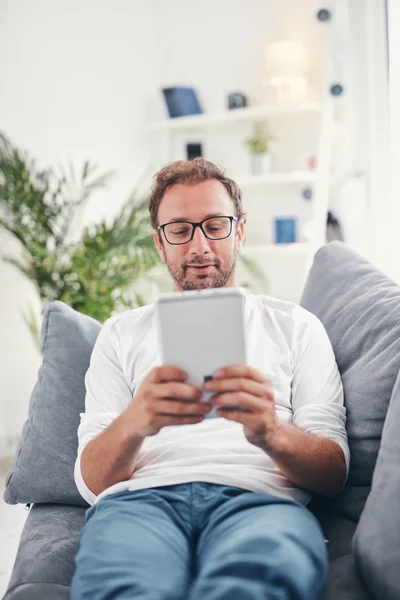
x: 293, y: 177
x: 234, y: 115
x: 296, y: 248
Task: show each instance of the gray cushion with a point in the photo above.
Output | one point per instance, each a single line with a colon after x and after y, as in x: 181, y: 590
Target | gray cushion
x: 376, y: 542
x: 360, y: 309
x: 45, y: 561
x: 344, y: 581
x: 43, y: 467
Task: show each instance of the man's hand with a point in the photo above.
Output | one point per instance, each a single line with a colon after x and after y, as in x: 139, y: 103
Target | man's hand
x: 165, y: 399
x: 245, y: 388
x: 311, y: 462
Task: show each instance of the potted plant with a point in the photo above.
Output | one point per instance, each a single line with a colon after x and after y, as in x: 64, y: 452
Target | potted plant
x: 258, y: 145
x: 100, y: 273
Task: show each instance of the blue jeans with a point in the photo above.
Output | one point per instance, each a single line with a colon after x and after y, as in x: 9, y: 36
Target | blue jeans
x: 199, y: 541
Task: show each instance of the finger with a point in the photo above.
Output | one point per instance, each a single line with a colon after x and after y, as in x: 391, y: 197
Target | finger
x: 241, y: 384
x: 173, y: 407
x: 167, y: 373
x: 240, y: 371
x: 245, y: 418
x: 243, y: 400
x: 176, y: 391
x: 164, y: 421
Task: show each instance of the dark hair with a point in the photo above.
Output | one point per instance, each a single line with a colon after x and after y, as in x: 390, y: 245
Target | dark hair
x: 191, y: 172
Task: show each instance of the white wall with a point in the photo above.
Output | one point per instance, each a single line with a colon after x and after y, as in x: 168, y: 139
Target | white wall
x: 75, y: 78
x: 362, y: 195
x: 376, y: 97
x: 80, y: 78
x: 394, y: 109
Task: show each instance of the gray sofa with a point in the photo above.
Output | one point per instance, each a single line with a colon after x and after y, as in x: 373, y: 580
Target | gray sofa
x: 360, y: 308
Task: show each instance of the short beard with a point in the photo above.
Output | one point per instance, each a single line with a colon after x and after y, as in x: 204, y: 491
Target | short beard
x: 202, y: 281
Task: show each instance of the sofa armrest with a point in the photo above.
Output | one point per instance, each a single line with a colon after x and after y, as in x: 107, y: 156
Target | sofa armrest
x: 39, y: 591
x: 45, y: 560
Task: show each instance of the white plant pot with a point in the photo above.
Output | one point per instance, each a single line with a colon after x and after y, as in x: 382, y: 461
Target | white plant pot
x: 260, y: 163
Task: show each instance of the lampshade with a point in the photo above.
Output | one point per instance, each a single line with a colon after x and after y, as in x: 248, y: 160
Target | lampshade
x: 285, y: 69
x: 285, y: 58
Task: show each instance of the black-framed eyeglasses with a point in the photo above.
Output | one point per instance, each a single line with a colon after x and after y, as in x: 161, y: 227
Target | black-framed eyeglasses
x: 182, y: 232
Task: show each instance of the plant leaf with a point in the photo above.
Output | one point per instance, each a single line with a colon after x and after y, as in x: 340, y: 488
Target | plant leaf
x: 33, y: 326
x: 253, y: 267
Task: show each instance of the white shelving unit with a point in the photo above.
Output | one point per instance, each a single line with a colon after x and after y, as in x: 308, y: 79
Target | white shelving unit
x: 273, y: 179
x: 261, y: 249
x: 277, y: 187
x: 248, y: 113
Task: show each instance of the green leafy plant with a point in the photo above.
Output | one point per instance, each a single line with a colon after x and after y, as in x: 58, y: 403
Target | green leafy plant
x: 96, y: 275
x: 258, y: 143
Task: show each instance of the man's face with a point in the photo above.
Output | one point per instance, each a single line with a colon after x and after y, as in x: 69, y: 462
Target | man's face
x: 200, y: 263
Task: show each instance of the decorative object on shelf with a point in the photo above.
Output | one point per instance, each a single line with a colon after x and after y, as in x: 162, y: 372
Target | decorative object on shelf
x: 336, y: 89
x: 333, y: 228
x: 285, y: 70
x: 193, y: 150
x: 237, y: 100
x: 181, y: 101
x: 285, y: 230
x: 311, y: 163
x: 100, y: 273
x: 307, y: 193
x: 258, y: 145
x: 323, y: 15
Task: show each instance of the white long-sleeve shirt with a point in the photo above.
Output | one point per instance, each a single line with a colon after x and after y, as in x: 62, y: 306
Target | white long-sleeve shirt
x: 288, y: 344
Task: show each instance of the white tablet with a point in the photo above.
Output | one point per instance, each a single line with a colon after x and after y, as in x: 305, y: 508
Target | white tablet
x: 202, y: 330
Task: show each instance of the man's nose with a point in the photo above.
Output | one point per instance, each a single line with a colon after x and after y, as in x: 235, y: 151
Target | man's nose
x: 199, y: 243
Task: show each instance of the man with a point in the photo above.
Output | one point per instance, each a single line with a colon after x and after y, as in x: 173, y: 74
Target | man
x: 185, y: 507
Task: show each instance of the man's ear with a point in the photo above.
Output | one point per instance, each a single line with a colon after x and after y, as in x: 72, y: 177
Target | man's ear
x: 239, y: 236
x: 159, y: 245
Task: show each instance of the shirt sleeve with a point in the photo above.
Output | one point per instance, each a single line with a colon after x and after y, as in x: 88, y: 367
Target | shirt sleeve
x: 107, y: 396
x: 317, y: 390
